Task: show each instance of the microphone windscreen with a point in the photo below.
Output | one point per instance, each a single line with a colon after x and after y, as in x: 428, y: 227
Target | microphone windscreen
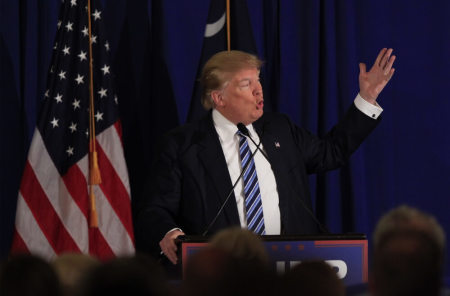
x: 241, y: 127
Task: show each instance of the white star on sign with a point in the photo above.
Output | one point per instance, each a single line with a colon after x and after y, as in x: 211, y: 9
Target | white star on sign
x: 66, y: 50
x: 73, y: 2
x: 93, y: 39
x: 69, y: 26
x: 73, y: 127
x: 62, y: 75
x: 76, y: 104
x: 82, y: 56
x: 105, y: 69
x: 69, y: 151
x: 58, y: 98
x: 85, y: 31
x: 99, y: 116
x: 107, y: 46
x: 79, y: 79
x: 54, y: 122
x: 96, y: 15
x: 102, y: 92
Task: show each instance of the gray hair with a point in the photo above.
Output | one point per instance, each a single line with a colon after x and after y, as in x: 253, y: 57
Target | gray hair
x: 406, y: 218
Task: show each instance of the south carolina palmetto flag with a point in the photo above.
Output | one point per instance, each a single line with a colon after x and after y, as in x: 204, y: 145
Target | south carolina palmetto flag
x: 54, y: 206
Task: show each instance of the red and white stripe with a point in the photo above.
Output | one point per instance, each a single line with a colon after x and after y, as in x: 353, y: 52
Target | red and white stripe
x: 52, y: 211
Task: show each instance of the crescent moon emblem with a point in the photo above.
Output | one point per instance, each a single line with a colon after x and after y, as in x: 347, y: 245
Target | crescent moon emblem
x: 213, y: 28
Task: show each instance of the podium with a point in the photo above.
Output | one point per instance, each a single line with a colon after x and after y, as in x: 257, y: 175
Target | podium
x: 346, y: 253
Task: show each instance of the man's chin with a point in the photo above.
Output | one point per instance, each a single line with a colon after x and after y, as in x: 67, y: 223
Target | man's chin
x: 258, y: 115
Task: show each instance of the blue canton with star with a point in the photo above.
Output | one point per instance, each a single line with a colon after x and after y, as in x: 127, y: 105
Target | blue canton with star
x: 64, y: 116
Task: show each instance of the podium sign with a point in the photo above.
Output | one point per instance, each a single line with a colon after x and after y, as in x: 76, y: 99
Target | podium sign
x: 348, y: 255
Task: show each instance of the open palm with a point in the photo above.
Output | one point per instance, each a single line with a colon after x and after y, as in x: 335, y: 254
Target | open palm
x: 372, y: 83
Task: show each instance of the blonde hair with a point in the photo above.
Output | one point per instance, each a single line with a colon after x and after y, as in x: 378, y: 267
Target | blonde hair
x: 241, y: 243
x: 219, y: 69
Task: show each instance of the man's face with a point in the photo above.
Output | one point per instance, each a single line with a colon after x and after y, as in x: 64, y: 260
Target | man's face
x: 241, y: 100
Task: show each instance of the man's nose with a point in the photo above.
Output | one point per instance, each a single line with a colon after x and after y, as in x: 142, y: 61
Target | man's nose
x: 258, y: 90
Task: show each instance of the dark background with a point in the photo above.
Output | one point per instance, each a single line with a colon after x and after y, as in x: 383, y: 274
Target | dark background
x: 311, y: 48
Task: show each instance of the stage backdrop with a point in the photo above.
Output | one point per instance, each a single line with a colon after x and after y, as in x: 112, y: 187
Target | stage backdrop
x: 311, y: 50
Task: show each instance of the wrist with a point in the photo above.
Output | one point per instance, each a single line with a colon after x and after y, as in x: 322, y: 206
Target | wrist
x: 370, y: 99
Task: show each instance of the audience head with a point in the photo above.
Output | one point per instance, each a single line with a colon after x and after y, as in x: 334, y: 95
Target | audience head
x: 312, y: 278
x: 408, y: 254
x: 405, y: 218
x: 70, y: 268
x: 406, y: 263
x: 138, y: 276
x: 242, y: 244
x: 24, y: 274
x: 213, y: 271
x: 219, y: 69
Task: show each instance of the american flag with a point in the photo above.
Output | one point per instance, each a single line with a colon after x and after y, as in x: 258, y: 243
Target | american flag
x: 53, y: 207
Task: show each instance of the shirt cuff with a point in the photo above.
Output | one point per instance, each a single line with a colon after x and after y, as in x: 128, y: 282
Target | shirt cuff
x: 373, y: 111
x: 173, y: 229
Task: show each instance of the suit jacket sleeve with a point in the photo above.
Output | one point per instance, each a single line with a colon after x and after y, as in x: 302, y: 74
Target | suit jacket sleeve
x: 334, y: 149
x: 160, y: 200
x: 295, y: 152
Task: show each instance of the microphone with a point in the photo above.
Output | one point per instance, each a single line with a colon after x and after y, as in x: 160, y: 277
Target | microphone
x: 243, y: 129
x: 231, y: 191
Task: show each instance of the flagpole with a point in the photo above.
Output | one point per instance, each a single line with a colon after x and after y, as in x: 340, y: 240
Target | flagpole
x: 94, y: 171
x: 228, y: 26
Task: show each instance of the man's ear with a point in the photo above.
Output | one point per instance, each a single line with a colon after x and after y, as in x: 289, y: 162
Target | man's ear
x: 217, y: 97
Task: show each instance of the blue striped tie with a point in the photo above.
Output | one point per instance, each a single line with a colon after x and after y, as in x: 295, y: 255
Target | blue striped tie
x: 253, y: 205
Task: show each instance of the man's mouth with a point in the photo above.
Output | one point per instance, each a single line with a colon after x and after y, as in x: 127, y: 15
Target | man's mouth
x: 260, y: 105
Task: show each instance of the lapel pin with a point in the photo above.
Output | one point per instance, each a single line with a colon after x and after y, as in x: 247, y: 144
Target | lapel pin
x: 277, y: 144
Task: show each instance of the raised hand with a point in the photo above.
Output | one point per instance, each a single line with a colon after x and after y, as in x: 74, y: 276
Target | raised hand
x: 372, y: 83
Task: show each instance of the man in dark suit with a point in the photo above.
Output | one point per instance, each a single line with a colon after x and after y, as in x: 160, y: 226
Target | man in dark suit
x: 200, y: 162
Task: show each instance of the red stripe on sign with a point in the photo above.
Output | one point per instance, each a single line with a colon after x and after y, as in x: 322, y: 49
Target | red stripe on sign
x: 18, y: 245
x: 77, y: 186
x: 118, y: 128
x: 44, y: 214
x: 98, y: 246
x: 115, y: 191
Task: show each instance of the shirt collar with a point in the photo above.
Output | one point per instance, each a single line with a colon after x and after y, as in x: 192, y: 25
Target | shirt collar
x: 226, y: 129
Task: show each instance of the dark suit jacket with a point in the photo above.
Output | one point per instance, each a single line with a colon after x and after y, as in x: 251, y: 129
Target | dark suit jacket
x: 191, y: 178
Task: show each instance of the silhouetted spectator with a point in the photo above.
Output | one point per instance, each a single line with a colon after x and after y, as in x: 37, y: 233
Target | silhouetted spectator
x: 312, y: 278
x: 243, y: 244
x: 70, y: 268
x: 28, y: 275
x: 404, y: 218
x: 408, y: 254
x: 216, y: 272
x: 137, y: 276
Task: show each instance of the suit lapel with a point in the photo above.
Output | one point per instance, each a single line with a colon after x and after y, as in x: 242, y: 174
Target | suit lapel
x: 215, y: 166
x: 273, y: 146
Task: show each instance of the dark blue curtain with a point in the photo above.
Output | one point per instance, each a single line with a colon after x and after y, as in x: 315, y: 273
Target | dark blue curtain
x: 312, y: 49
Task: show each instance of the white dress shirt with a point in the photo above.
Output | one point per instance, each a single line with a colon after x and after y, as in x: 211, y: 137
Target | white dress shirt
x: 229, y: 141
